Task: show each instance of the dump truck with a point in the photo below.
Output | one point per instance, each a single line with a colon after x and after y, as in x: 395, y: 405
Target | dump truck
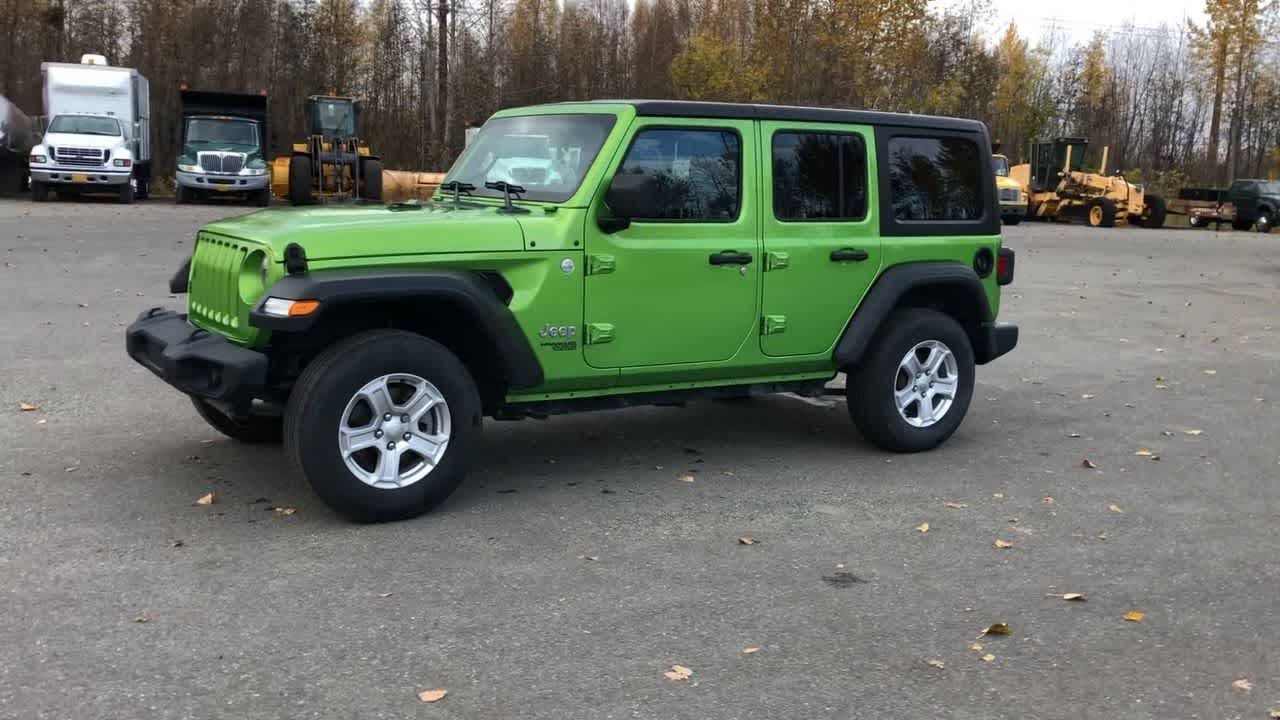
x: 99, y: 134
x: 223, y: 146
x: 1060, y: 188
x: 17, y: 135
x: 332, y: 162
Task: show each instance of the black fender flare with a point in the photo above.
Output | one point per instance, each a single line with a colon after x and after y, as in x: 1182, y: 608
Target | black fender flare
x: 470, y: 291
x: 896, y: 284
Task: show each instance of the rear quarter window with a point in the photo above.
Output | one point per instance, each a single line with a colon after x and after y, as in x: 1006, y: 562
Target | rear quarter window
x: 936, y: 182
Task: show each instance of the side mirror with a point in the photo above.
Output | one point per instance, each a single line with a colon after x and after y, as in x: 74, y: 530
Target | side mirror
x: 629, y: 196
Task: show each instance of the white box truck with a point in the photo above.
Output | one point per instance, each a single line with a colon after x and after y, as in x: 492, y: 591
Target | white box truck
x: 98, y: 137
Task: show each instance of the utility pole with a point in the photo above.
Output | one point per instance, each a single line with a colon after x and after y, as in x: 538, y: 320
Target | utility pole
x: 442, y: 80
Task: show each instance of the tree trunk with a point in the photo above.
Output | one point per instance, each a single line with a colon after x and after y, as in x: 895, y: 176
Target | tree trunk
x: 1215, y: 122
x: 442, y: 81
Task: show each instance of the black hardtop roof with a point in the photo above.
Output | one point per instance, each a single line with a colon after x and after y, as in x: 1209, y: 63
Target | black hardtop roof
x: 751, y: 111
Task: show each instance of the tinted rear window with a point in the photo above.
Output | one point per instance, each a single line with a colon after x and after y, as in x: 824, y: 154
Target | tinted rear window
x: 935, y: 179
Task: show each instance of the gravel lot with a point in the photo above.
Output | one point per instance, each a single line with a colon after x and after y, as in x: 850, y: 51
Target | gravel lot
x: 573, y: 568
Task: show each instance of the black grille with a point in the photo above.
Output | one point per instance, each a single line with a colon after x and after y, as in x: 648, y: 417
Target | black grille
x: 213, y: 162
x: 81, y: 157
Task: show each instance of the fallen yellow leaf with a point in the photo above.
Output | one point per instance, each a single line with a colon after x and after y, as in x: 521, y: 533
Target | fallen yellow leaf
x: 686, y: 478
x: 1087, y: 463
x: 936, y: 663
x: 1073, y: 597
x: 922, y: 527
x: 744, y: 540
x: 430, y: 696
x: 1086, y: 396
x: 996, y: 629
x: 27, y: 407
x: 976, y: 647
x: 141, y: 619
x: 1242, y: 684
x: 954, y: 505
x: 1193, y: 432
x: 1144, y: 453
x: 1114, y: 508
x: 1073, y: 435
x: 1048, y: 500
x: 1210, y: 372
x: 206, y: 499
x: 750, y: 649
x: 988, y: 657
x: 286, y: 511
x: 1275, y: 713
x: 998, y: 496
x: 678, y: 672
x: 1134, y: 616
x: 1002, y: 545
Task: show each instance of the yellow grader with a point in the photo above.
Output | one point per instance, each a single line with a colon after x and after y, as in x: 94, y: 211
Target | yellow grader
x: 333, y: 162
x: 1060, y: 188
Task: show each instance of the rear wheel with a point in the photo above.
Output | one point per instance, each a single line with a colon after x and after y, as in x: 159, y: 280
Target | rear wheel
x: 39, y: 191
x: 253, y: 430
x: 1154, y: 211
x: 371, y: 180
x: 384, y: 425
x: 300, y: 180
x: 1101, y: 213
x: 912, y: 389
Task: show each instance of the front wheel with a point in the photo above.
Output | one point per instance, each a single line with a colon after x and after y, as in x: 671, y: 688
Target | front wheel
x: 913, y: 388
x: 1101, y: 212
x: 384, y: 425
x: 252, y: 430
x: 1263, y: 224
x: 1012, y: 219
x: 39, y: 191
x: 371, y: 180
x: 126, y: 192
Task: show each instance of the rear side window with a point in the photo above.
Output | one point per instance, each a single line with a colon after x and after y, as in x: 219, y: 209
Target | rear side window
x: 819, y: 176
x: 692, y: 175
x: 935, y: 179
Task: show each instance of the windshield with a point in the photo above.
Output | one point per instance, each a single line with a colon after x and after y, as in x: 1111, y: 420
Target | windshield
x: 85, y: 125
x: 222, y: 131
x: 337, y: 118
x: 1001, y: 165
x: 547, y: 155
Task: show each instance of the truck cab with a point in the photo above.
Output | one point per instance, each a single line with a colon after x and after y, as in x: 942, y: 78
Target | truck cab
x: 1011, y: 193
x: 223, y: 147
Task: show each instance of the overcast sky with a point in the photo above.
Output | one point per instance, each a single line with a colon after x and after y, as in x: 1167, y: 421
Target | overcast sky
x: 1080, y: 18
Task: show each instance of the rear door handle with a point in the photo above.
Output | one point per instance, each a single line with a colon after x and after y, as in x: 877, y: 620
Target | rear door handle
x: 730, y: 257
x: 846, y: 254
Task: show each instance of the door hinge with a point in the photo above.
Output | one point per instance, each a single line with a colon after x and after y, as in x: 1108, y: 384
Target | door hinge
x: 774, y: 260
x: 599, y: 333
x: 599, y: 264
x: 773, y: 324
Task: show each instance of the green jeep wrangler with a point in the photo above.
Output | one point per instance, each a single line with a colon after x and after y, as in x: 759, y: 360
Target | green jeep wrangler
x: 598, y: 255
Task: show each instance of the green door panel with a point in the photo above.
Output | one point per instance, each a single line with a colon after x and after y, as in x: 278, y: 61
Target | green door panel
x: 653, y: 285
x: 802, y: 283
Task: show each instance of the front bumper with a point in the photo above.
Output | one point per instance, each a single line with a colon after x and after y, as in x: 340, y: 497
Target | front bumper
x: 195, y: 361
x: 217, y: 182
x: 1010, y: 209
x: 995, y: 339
x: 80, y: 176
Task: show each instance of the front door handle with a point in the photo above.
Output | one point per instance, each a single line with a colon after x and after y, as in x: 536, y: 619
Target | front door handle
x: 846, y: 254
x: 730, y: 257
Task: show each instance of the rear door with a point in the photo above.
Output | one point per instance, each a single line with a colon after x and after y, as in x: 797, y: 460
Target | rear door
x: 821, y: 232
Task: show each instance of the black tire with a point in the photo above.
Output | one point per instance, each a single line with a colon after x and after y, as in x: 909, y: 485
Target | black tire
x: 1012, y: 219
x: 1154, y: 212
x: 126, y: 196
x: 1100, y: 212
x: 1240, y: 225
x: 1194, y: 221
x: 320, y: 397
x: 183, y: 195
x: 262, y: 198
x: 1264, y: 222
x: 254, y: 430
x: 39, y: 191
x: 871, y: 386
x: 144, y: 188
x: 371, y: 180
x: 300, y: 180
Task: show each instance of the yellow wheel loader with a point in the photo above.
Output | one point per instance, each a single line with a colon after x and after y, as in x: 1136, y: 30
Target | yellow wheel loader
x: 333, y: 162
x: 1060, y: 188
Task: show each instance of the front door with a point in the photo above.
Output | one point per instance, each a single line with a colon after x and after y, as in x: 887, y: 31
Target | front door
x: 821, y: 233
x: 678, y: 284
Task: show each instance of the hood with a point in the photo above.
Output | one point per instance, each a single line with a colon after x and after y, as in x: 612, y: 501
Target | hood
x: 85, y: 141
x: 372, y: 231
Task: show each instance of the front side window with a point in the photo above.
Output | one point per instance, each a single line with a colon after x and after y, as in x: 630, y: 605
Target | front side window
x: 547, y: 155
x: 687, y: 175
x: 1000, y: 164
x: 85, y: 125
x: 936, y: 179
x: 819, y: 176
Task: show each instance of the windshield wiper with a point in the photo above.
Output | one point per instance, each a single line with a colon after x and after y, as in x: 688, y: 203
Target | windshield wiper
x: 457, y: 187
x: 508, y: 189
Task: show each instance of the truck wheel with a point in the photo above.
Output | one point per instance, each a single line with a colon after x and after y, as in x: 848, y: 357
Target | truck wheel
x: 1012, y: 219
x: 1193, y: 221
x: 1264, y: 222
x: 253, y: 430
x: 182, y: 195
x: 262, y: 198
x: 913, y: 386
x: 300, y: 180
x: 39, y: 191
x: 384, y: 425
x: 1154, y: 211
x: 126, y: 192
x: 1101, y: 213
x: 371, y: 180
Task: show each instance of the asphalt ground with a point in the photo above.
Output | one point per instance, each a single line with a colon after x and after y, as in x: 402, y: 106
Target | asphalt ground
x: 575, y: 567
